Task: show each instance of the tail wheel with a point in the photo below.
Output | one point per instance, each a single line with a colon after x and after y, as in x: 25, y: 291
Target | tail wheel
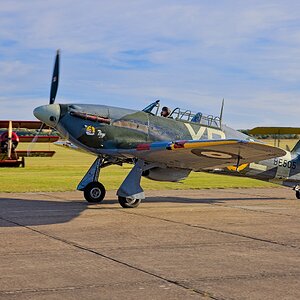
x: 298, y: 194
x: 129, y: 203
x: 94, y: 192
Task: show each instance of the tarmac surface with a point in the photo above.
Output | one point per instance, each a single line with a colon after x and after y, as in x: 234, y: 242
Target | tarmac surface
x: 196, y: 244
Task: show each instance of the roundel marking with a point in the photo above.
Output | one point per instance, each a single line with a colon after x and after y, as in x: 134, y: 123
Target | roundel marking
x: 214, y: 154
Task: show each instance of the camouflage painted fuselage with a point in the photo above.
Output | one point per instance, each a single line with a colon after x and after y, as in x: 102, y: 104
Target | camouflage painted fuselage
x: 117, y: 128
x: 283, y: 170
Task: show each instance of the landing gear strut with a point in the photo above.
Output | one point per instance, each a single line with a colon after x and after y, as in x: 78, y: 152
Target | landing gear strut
x: 93, y: 190
x: 130, y: 193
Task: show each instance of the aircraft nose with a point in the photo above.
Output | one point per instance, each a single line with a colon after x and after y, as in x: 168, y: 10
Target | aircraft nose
x: 48, y: 114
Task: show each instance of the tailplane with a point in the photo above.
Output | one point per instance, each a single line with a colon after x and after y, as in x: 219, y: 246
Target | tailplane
x: 296, y: 149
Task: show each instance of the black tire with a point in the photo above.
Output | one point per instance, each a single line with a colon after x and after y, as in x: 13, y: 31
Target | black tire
x: 298, y: 194
x: 129, y: 203
x: 23, y: 162
x: 94, y: 192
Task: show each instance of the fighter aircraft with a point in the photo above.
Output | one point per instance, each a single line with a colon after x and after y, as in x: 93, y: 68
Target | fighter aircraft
x: 160, y: 148
x: 9, y: 140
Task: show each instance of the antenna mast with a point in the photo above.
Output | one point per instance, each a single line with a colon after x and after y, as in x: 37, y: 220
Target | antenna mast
x: 221, y: 113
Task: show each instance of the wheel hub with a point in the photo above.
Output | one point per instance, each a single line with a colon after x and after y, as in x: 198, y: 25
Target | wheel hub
x: 131, y: 201
x: 95, y: 192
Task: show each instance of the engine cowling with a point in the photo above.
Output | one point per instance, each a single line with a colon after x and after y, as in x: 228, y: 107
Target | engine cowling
x: 166, y: 174
x: 4, y: 140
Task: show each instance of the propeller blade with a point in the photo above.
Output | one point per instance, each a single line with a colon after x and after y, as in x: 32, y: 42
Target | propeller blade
x: 30, y: 147
x: 9, y: 141
x: 55, y: 79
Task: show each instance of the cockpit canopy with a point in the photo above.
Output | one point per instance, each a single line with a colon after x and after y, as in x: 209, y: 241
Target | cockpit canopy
x: 185, y: 115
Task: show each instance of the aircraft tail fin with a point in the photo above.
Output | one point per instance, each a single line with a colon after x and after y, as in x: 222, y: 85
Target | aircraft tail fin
x: 296, y: 149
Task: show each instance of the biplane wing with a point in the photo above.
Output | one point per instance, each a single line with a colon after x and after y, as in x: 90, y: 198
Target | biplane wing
x: 22, y: 124
x: 39, y: 138
x: 35, y: 153
x: 206, y: 154
x: 274, y: 130
x: 9, y: 140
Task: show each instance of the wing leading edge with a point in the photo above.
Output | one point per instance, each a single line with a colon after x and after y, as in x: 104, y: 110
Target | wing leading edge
x: 206, y: 154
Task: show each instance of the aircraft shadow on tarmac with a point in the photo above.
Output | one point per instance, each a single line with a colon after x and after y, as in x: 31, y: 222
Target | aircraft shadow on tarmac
x: 208, y: 200
x: 24, y: 212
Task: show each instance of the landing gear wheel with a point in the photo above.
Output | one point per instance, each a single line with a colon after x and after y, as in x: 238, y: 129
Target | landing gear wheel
x: 129, y: 203
x: 23, y: 162
x: 94, y: 192
x: 298, y: 194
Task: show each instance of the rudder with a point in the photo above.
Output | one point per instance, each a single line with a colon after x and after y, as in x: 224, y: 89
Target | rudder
x: 296, y: 148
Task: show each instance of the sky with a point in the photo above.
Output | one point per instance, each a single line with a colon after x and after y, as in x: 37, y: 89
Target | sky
x: 189, y: 54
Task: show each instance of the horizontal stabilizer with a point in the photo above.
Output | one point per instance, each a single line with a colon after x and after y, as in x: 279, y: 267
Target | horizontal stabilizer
x: 296, y: 149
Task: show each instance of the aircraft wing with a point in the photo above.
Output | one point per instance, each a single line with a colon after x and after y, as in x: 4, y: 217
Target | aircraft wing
x: 35, y: 153
x: 274, y: 130
x: 206, y: 154
x: 39, y: 138
x: 22, y: 124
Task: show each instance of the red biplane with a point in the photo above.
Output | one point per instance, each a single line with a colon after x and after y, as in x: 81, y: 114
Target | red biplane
x: 9, y: 140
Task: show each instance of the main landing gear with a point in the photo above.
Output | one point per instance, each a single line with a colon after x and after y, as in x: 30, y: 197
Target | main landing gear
x: 130, y: 194
x: 94, y: 192
x: 297, y: 190
x: 129, y: 203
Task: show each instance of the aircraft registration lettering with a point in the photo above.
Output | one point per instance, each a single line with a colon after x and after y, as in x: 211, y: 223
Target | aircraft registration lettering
x: 211, y: 132
x: 284, y: 163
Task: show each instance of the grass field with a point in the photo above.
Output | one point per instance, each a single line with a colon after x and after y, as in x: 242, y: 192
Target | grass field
x: 65, y: 170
